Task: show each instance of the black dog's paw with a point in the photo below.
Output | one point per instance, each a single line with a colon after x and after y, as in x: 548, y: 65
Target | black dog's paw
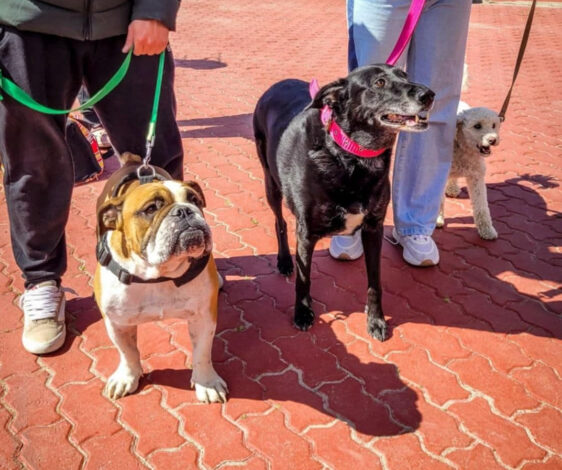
x: 304, y: 318
x: 285, y: 265
x: 377, y: 328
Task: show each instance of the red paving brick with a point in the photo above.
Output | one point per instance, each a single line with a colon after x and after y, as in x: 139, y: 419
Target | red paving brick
x: 470, y: 377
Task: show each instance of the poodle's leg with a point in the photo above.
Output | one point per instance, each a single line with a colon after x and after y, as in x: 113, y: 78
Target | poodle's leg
x: 452, y: 189
x: 440, y: 222
x: 479, y: 198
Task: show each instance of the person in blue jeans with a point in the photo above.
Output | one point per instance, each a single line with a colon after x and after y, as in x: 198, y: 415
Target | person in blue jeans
x: 434, y: 57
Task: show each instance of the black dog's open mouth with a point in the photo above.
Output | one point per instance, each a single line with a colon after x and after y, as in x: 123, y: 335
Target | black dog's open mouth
x: 484, y: 149
x: 405, y: 121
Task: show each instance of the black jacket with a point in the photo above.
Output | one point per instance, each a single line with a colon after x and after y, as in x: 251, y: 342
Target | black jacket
x: 85, y: 19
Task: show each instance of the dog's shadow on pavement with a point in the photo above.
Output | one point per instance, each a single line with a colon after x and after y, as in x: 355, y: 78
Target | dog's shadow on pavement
x: 312, y: 377
x: 529, y: 235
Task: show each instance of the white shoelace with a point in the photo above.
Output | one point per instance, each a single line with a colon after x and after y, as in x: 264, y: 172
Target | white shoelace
x: 41, y: 303
x: 422, y: 238
x: 415, y: 238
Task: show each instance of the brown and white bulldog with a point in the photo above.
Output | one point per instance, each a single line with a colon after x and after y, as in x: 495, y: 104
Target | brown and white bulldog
x: 154, y: 262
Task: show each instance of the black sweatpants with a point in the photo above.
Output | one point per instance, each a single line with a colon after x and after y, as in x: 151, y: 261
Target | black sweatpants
x: 38, y: 169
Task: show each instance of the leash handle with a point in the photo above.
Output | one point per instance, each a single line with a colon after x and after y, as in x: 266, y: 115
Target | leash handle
x: 10, y: 88
x: 520, y: 55
x: 412, y: 18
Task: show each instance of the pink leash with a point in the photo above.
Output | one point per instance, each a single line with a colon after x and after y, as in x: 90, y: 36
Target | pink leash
x: 414, y: 13
x: 336, y: 132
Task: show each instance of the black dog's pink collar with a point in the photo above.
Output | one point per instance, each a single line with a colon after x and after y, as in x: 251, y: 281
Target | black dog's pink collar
x: 337, y: 133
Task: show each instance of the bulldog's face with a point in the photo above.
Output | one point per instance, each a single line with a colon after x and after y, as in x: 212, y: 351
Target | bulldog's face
x: 159, y: 223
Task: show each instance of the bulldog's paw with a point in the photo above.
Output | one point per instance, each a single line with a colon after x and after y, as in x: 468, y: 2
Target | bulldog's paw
x: 304, y: 317
x: 211, y: 391
x: 285, y: 265
x: 122, y: 382
x: 487, y: 232
x: 440, y: 222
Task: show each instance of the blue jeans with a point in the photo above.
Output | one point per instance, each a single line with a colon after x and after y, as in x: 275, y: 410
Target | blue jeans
x: 435, y: 58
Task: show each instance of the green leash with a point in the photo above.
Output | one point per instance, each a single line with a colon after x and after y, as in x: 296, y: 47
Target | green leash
x: 11, y: 89
x: 152, y: 125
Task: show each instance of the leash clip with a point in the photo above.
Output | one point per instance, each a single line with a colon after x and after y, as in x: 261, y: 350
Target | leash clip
x: 146, y: 173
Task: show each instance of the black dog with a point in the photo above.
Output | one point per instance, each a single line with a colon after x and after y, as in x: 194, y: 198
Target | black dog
x: 330, y: 190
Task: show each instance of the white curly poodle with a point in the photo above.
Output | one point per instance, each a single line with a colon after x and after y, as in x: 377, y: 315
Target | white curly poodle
x: 477, y: 130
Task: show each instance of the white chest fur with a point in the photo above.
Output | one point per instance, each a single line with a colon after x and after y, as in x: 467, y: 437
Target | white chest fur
x: 142, y: 302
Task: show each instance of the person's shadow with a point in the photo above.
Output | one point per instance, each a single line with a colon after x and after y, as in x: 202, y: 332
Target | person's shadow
x: 238, y: 125
x: 200, y: 64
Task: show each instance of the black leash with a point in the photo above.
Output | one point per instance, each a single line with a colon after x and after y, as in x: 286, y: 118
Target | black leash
x: 522, y: 48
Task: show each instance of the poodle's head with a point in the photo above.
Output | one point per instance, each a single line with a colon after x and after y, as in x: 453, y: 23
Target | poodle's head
x: 479, y: 129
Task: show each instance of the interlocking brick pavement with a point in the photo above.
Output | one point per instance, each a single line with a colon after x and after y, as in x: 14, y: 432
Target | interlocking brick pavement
x: 471, y: 375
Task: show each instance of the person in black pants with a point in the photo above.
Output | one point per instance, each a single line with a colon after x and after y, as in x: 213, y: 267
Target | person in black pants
x: 50, y: 48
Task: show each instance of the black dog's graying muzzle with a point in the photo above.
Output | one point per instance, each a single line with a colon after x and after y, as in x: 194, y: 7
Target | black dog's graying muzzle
x: 103, y: 253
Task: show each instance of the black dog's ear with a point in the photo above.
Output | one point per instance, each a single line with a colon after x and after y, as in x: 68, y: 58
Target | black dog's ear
x: 329, y: 94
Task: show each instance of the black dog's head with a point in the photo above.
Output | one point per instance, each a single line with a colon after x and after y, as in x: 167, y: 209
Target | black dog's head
x: 377, y: 100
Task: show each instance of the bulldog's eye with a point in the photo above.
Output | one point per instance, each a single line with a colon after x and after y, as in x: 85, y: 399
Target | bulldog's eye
x: 380, y: 83
x: 192, y: 198
x: 477, y: 126
x: 494, y: 125
x: 153, y: 207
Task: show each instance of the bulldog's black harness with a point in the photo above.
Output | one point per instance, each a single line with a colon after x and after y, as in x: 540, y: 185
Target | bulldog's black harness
x: 103, y: 253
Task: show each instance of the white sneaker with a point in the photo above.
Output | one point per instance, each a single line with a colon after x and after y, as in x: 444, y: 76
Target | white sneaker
x: 419, y: 250
x: 346, y: 247
x: 44, y: 329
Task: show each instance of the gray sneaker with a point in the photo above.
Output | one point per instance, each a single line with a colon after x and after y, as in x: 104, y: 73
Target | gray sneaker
x: 44, y: 330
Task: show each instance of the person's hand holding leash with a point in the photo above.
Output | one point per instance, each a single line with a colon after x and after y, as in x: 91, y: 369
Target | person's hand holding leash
x: 149, y: 37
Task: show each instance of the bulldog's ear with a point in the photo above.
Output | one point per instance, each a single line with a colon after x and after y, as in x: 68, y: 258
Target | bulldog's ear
x: 109, y: 215
x: 195, y: 194
x: 330, y: 94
